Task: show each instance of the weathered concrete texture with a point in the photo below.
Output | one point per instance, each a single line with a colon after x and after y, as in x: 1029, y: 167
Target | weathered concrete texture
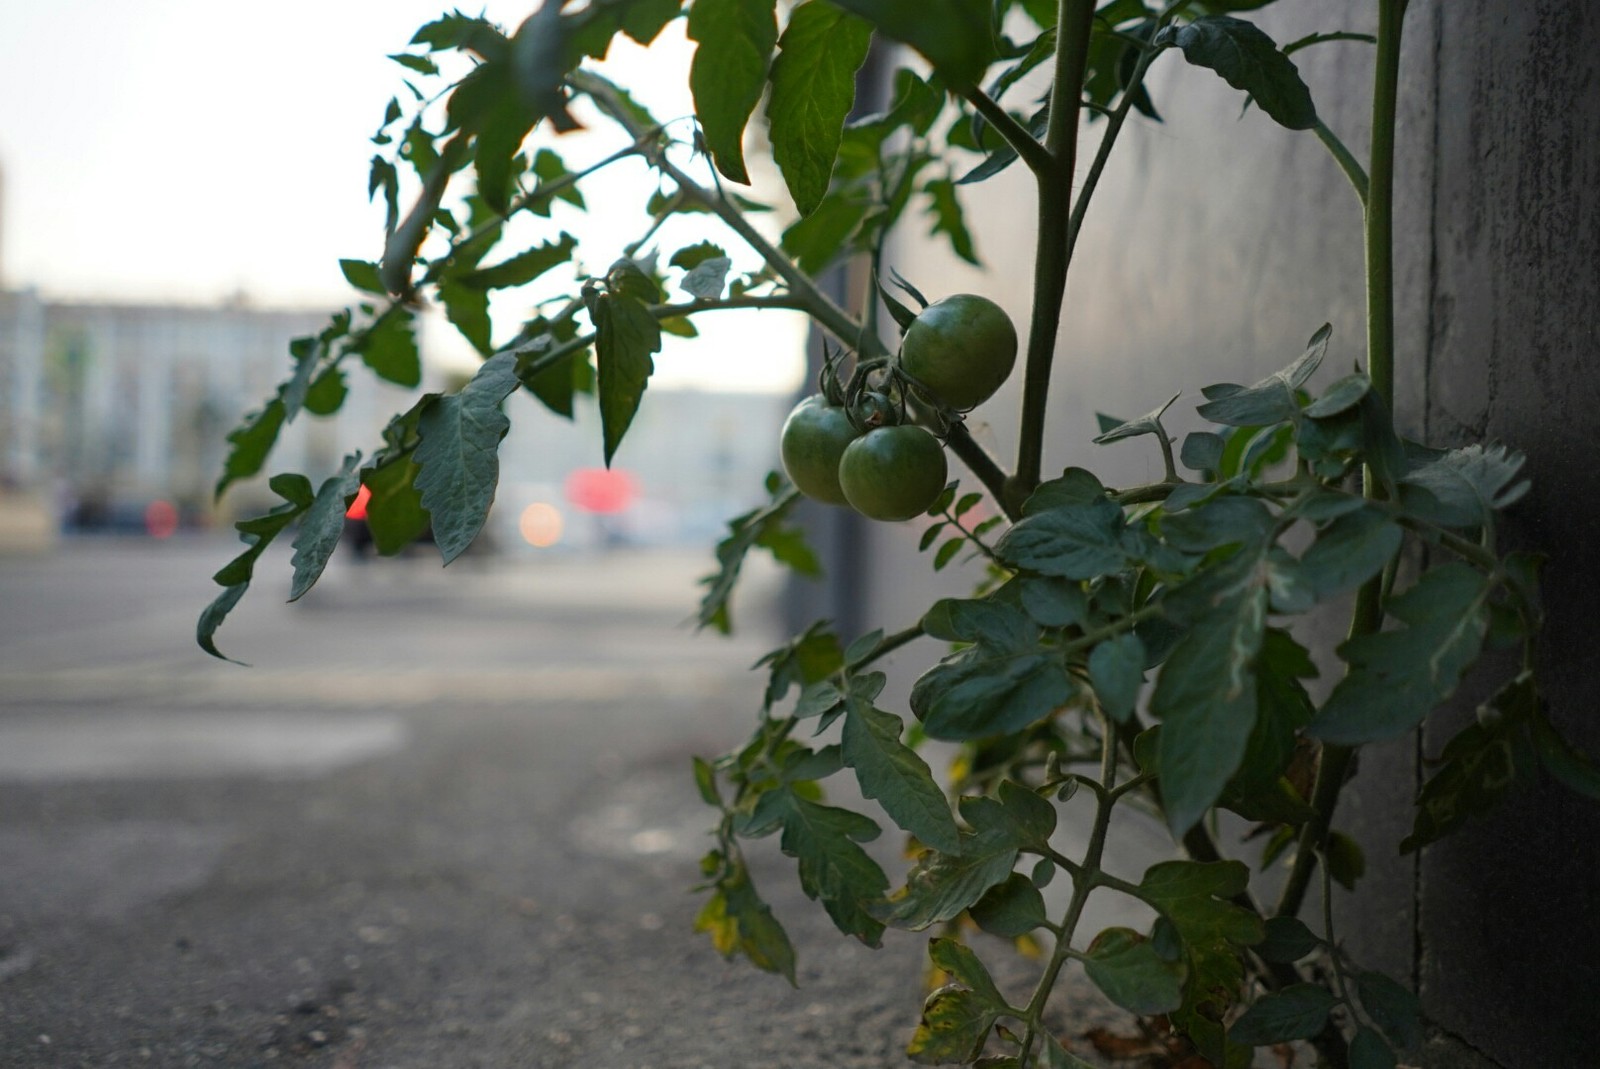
x: 1509, y: 908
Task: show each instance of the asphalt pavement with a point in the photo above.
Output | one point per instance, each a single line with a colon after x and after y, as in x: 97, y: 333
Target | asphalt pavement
x: 444, y: 820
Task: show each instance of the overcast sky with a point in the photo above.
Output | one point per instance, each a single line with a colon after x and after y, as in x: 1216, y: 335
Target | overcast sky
x: 186, y: 150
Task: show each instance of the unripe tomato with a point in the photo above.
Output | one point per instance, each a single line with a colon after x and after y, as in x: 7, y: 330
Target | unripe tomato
x: 893, y: 473
x: 961, y: 348
x: 812, y: 441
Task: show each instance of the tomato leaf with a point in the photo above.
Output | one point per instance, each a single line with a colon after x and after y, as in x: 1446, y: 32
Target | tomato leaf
x: 1206, y: 695
x: 389, y: 348
x: 729, y: 71
x: 1248, y: 59
x: 252, y: 440
x: 1296, y: 1012
x: 256, y: 533
x: 1070, y: 541
x: 895, y: 776
x: 1125, y: 966
x: 954, y: 35
x: 458, y: 452
x: 738, y: 921
x: 1397, y: 677
x: 626, y: 335
x: 954, y: 1026
x: 833, y: 868
x: 813, y: 87
x: 1001, y: 683
x: 322, y: 525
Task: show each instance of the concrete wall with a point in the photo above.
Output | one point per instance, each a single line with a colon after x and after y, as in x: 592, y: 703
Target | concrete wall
x: 1217, y: 245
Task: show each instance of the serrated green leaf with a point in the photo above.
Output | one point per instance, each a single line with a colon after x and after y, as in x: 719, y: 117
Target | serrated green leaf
x: 420, y: 64
x: 458, y: 453
x: 813, y: 88
x: 522, y: 268
x: 948, y: 218
x: 1288, y: 940
x: 963, y: 965
x: 1480, y: 764
x: 738, y: 921
x: 256, y: 533
x: 626, y: 335
x: 1126, y: 968
x: 1116, y: 668
x: 1350, y: 550
x: 817, y: 240
x: 1394, y: 1009
x: 362, y: 275
x: 833, y: 868
x: 947, y: 552
x: 1248, y: 59
x: 955, y: 1024
x: 1206, y: 696
x: 1271, y: 400
x: 1464, y: 487
x: 389, y: 348
x: 1397, y: 677
x: 1054, y: 602
x: 1193, y: 896
x: 1000, y: 684
x: 735, y: 41
x: 1295, y: 1012
x: 954, y: 35
x: 395, y: 515
x: 322, y: 525
x: 1202, y: 451
x: 1011, y: 909
x: 1341, y: 397
x: 939, y: 886
x: 893, y: 775
x: 252, y: 440
x: 327, y: 392
x: 1069, y: 541
x: 467, y: 309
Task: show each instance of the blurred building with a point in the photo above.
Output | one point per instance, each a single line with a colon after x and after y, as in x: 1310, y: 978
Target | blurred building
x: 108, y: 407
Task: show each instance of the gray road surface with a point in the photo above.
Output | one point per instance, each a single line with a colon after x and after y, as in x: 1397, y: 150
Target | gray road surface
x: 444, y: 821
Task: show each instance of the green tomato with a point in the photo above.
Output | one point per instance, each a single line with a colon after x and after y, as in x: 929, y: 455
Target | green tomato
x: 813, y: 439
x: 893, y: 473
x: 960, y: 349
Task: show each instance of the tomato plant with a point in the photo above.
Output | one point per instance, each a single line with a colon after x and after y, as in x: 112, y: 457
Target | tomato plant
x: 1130, y: 645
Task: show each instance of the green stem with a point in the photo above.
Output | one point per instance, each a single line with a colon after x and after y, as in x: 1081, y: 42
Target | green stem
x: 817, y: 304
x: 1084, y: 882
x: 981, y: 464
x: 1346, y: 160
x: 1034, y: 155
x: 1074, y: 22
x: 1367, y: 617
x: 1114, y: 124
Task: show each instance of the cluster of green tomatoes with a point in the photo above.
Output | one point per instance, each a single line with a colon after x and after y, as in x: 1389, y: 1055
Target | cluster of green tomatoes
x: 858, y: 447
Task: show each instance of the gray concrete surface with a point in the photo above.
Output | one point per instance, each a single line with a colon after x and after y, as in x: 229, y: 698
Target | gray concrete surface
x: 445, y: 821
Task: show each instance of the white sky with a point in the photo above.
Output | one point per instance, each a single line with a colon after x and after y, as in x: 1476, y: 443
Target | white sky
x: 186, y: 150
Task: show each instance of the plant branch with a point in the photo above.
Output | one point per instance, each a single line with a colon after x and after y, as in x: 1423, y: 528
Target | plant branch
x: 981, y: 464
x: 1346, y: 160
x: 1073, y: 26
x: 1114, y: 123
x: 1037, y: 158
x: 1367, y: 617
